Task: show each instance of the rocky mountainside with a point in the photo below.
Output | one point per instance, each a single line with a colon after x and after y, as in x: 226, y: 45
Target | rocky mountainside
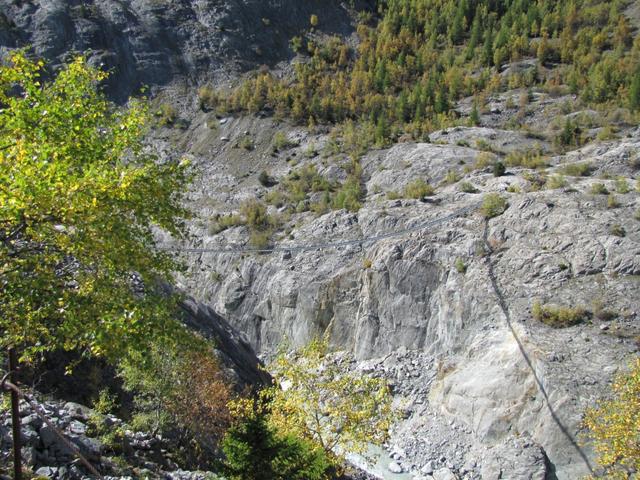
x: 456, y: 309
x: 154, y: 43
x: 445, y: 311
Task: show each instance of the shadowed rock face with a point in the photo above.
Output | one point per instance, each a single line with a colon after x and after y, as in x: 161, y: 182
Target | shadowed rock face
x: 230, y: 345
x: 152, y: 42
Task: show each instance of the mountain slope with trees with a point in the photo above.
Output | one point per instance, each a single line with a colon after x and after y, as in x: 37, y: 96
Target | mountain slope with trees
x: 447, y: 192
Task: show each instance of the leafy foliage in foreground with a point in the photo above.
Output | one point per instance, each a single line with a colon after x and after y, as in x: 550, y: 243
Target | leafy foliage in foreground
x: 255, y: 450
x: 614, y: 427
x: 181, y: 392
x: 300, y: 427
x: 319, y: 400
x: 79, y: 200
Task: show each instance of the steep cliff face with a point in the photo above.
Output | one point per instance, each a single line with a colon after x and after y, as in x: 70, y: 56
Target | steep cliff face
x: 456, y: 290
x: 155, y: 42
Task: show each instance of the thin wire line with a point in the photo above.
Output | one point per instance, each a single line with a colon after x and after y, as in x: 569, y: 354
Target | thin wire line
x: 327, y: 245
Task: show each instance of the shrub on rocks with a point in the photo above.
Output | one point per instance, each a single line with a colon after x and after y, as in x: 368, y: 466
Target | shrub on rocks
x: 577, y: 169
x: 613, y: 426
x: 599, y: 189
x: 467, y: 187
x: 558, y: 317
x: 499, y: 169
x: 493, y: 205
x: 418, y: 189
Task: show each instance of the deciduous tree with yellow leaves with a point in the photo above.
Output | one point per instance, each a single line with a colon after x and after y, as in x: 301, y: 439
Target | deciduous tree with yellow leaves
x: 614, y: 427
x: 317, y: 398
x: 79, y: 202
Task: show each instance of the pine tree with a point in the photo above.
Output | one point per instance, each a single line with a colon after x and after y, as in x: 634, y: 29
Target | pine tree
x: 487, y: 51
x: 634, y: 91
x: 476, y: 36
x: 543, y: 49
x: 475, y: 115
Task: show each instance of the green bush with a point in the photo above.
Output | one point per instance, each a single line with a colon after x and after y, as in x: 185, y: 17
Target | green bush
x: 247, y: 143
x: 349, y: 195
x: 536, y: 181
x: 418, y: 189
x: 577, y: 169
x: 303, y: 181
x: 276, y: 198
x: 607, y: 133
x: 460, y: 266
x: 265, y: 179
x: 452, y: 177
x: 530, y: 158
x: 296, y: 43
x: 221, y: 222
x: 255, y: 214
x: 259, y: 239
x: 484, y: 159
x: 281, y: 142
x: 556, y: 181
x: 166, y: 115
x: 493, y: 205
x: 393, y: 195
x: 311, y: 151
x: 499, y: 169
x: 482, y: 144
x: 558, y: 317
x: 612, y: 201
x: 467, y: 187
x: 570, y: 134
x: 618, y: 230
x: 599, y: 189
x: 207, y: 98
x: 253, y: 450
x: 622, y: 186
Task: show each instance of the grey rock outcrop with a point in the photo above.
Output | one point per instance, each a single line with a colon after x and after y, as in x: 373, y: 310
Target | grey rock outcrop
x: 490, y: 367
x: 49, y: 456
x: 147, y: 42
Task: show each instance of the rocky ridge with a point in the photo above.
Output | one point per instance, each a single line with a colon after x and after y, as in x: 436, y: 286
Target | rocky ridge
x: 51, y: 458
